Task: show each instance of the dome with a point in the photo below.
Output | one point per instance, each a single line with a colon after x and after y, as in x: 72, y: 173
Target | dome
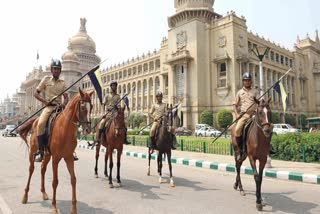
x: 182, y: 5
x: 82, y: 39
x: 70, y: 56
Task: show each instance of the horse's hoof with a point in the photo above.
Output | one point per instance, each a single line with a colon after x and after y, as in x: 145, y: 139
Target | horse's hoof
x: 235, y: 186
x: 110, y: 185
x: 242, y: 193
x: 96, y: 176
x: 24, y: 199
x: 119, y: 183
x: 54, y: 211
x: 259, y: 207
x: 160, y: 180
x: 73, y: 211
x: 45, y: 196
x: 148, y: 172
x: 172, y: 184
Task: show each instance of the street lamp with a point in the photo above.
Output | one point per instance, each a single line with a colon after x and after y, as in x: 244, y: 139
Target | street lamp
x: 260, y: 52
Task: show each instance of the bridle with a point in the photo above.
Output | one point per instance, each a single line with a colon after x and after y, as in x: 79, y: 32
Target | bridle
x: 257, y: 118
x: 79, y: 122
x: 119, y: 118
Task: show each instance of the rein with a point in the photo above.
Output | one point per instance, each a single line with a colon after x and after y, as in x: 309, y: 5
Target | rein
x: 78, y: 123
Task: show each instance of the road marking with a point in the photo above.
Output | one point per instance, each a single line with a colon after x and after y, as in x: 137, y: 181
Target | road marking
x: 4, y: 206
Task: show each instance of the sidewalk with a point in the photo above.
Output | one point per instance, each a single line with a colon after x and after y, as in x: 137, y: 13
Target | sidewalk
x: 284, y: 170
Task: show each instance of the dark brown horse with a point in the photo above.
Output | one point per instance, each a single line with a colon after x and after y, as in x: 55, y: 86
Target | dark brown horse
x: 257, y: 145
x: 164, y: 140
x: 62, y: 144
x: 115, y: 137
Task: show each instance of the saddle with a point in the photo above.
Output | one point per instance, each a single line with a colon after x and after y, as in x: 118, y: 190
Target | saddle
x: 245, y: 129
x: 50, y: 124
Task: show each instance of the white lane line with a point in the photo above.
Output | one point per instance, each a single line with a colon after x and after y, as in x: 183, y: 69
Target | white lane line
x: 4, y: 206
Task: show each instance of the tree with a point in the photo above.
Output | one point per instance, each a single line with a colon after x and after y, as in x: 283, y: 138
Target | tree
x: 135, y: 119
x: 275, y: 117
x: 302, y: 120
x: 290, y: 119
x: 224, y: 118
x: 206, y: 117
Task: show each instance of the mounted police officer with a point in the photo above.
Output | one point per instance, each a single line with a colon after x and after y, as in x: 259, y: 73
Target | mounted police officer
x: 110, y: 104
x: 52, y: 87
x: 244, y: 98
x: 157, y: 111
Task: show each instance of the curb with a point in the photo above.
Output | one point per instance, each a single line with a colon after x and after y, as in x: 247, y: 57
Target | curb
x: 282, y: 175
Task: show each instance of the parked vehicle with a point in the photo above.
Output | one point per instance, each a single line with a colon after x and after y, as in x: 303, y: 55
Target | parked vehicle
x: 200, y: 126
x: 182, y: 131
x: 8, y: 129
x: 283, y: 128
x: 208, y: 132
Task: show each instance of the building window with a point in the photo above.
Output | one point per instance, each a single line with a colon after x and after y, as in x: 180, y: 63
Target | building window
x: 272, y: 56
x: 277, y: 57
x: 290, y: 63
x: 222, y: 75
x: 134, y: 71
x: 281, y: 60
x: 249, y: 46
x: 286, y: 60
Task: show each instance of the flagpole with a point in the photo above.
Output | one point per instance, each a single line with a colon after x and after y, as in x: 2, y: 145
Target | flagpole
x: 228, y: 126
x: 92, y: 70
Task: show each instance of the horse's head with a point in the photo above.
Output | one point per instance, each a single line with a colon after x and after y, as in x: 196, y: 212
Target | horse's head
x: 84, y: 111
x: 118, y: 120
x: 263, y: 114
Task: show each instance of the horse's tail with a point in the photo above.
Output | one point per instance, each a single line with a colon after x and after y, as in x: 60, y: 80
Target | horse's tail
x: 24, y: 129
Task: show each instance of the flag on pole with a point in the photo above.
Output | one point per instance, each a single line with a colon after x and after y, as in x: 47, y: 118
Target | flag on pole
x: 176, y: 111
x: 95, y: 77
x: 37, y: 54
x: 279, y: 88
x: 126, y: 102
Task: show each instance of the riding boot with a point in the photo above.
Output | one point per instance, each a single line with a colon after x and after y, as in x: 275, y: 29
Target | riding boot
x: 240, y: 146
x: 272, y: 150
x: 152, y: 142
x: 174, y: 142
x: 40, y: 152
x: 126, y: 139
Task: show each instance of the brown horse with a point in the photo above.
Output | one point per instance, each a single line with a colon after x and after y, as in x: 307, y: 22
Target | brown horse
x: 164, y: 141
x: 115, y: 137
x: 63, y: 142
x: 257, y: 145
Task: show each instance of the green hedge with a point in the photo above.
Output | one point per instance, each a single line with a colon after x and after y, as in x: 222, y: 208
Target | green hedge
x: 297, y: 147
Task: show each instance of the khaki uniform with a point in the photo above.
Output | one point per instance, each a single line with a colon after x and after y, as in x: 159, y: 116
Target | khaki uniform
x: 245, y: 98
x: 157, y: 110
x: 51, y: 88
x: 109, y: 101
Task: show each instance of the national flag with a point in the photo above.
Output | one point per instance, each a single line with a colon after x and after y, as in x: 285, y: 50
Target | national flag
x: 95, y: 77
x: 126, y: 102
x: 176, y: 110
x: 37, y: 55
x: 279, y: 88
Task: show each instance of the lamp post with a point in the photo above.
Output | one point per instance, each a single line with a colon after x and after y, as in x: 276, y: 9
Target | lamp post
x: 260, y: 52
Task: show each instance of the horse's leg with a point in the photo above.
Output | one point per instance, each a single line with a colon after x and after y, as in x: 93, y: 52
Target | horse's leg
x: 43, y: 173
x: 97, y: 158
x: 31, y: 169
x: 70, y: 165
x: 238, y: 182
x: 149, y: 159
x: 110, y: 167
x: 258, y: 179
x: 55, y: 181
x: 170, y: 168
x: 118, y: 165
x: 106, y: 163
x: 160, y: 166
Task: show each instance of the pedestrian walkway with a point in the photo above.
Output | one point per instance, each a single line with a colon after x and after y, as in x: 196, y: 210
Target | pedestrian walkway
x: 284, y: 170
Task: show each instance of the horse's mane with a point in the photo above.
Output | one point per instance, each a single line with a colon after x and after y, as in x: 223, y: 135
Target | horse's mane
x: 73, y: 100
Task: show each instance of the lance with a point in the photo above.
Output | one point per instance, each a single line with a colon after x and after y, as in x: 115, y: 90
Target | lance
x: 92, y: 70
x: 228, y: 126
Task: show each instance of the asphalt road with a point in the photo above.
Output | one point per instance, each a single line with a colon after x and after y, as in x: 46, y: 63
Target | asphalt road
x: 197, y: 190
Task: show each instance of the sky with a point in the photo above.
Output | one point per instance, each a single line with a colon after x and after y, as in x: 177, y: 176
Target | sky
x: 123, y: 29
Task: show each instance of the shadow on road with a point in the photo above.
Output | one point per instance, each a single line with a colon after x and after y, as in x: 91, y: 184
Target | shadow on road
x: 65, y: 206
